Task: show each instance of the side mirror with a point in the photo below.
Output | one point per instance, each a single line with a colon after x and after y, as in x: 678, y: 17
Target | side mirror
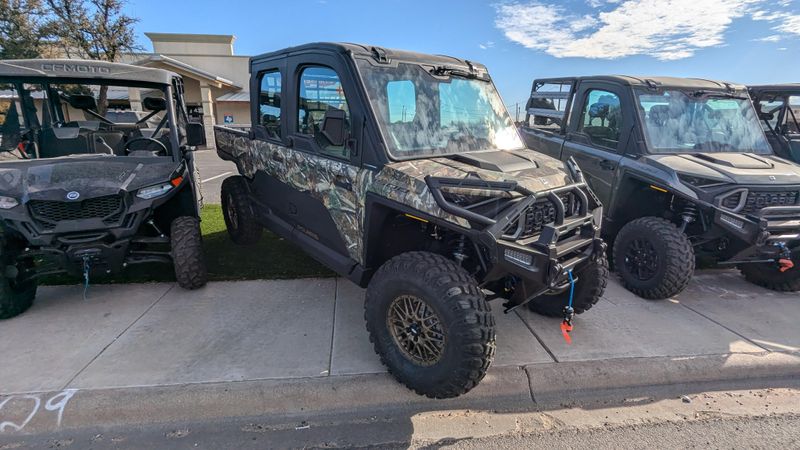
x: 766, y: 116
x: 333, y: 127
x: 195, y: 134
x: 154, y: 104
x: 83, y: 102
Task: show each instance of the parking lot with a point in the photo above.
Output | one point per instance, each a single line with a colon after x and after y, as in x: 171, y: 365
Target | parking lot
x: 213, y: 171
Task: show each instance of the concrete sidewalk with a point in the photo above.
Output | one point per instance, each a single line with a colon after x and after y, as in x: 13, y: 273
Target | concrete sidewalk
x: 303, y: 331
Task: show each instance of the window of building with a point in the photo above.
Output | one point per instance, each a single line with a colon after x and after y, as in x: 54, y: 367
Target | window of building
x: 602, y: 118
x: 321, y: 91
x: 269, y: 103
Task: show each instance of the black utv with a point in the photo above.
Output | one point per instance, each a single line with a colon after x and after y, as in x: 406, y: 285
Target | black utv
x: 83, y: 194
x: 778, y: 108
x: 683, y: 169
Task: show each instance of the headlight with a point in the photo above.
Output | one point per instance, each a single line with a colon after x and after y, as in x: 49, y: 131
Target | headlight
x: 699, y: 181
x: 8, y: 202
x: 154, y: 191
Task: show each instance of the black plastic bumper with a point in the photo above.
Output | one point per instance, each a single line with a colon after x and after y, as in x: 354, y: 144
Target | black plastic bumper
x: 541, y: 263
x: 765, y: 233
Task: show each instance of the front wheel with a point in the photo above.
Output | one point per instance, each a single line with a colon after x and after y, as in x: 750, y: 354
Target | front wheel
x: 768, y: 275
x: 430, y: 324
x: 654, y: 258
x: 16, y: 296
x: 187, y: 253
x: 591, y: 283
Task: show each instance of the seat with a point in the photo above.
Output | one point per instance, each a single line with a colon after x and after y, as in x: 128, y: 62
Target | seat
x: 111, y: 142
x: 659, y: 114
x: 64, y: 141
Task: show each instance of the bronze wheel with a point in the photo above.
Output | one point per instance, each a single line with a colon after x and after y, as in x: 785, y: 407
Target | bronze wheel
x: 416, y: 329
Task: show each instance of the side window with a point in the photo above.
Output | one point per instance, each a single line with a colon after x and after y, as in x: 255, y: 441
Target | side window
x: 773, y: 108
x: 269, y: 103
x: 321, y: 93
x: 793, y: 115
x: 601, y: 119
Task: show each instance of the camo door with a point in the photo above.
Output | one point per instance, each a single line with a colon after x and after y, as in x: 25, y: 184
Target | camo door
x: 323, y: 174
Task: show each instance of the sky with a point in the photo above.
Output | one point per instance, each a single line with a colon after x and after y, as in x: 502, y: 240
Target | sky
x: 745, y: 41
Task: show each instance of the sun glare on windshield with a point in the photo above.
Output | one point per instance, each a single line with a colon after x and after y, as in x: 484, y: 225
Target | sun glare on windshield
x: 677, y: 121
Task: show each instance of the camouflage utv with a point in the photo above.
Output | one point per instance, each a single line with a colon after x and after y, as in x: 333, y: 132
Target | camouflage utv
x: 404, y: 173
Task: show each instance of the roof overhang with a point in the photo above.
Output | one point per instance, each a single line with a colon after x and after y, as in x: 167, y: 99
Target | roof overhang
x: 241, y: 96
x: 188, y: 70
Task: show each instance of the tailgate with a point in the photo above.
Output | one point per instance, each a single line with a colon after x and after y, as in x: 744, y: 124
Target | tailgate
x: 226, y: 141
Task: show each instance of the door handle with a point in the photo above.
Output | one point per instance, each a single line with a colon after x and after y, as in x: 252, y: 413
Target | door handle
x: 342, y: 182
x: 277, y: 157
x: 607, y: 164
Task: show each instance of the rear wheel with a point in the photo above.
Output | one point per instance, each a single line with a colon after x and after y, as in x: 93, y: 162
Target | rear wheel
x: 430, y: 324
x: 238, y: 214
x: 17, y: 290
x: 187, y: 253
x: 591, y: 283
x: 654, y: 258
x: 769, y: 276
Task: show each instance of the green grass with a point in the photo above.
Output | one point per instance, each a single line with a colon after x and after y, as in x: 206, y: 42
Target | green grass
x: 271, y: 258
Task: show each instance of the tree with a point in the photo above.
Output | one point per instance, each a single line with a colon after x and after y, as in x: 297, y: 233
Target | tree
x: 92, y: 29
x: 23, y: 29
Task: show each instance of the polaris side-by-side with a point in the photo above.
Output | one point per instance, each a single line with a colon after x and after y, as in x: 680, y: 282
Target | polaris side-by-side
x: 683, y: 169
x: 404, y: 173
x: 778, y: 108
x: 84, y: 191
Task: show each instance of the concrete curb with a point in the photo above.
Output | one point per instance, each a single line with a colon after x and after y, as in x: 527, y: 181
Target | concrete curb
x: 504, y: 388
x: 579, y: 380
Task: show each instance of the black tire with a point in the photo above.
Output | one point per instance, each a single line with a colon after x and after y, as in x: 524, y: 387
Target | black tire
x: 240, y: 221
x: 16, y: 297
x: 462, y: 316
x: 592, y: 280
x: 769, y: 276
x: 668, y: 251
x: 187, y: 253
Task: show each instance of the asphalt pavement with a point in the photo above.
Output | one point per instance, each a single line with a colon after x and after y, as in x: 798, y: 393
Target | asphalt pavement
x: 213, y: 171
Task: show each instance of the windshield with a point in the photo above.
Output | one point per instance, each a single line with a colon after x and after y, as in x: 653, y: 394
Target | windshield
x: 678, y: 121
x: 54, y: 119
x: 423, y: 115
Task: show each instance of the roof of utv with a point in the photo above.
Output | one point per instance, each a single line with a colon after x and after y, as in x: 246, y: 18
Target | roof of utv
x: 370, y: 51
x: 665, y: 82
x: 786, y: 87
x: 82, y: 70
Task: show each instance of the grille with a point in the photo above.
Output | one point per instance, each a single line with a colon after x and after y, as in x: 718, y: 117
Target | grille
x: 541, y: 213
x: 757, y: 200
x: 732, y: 201
x: 48, y: 213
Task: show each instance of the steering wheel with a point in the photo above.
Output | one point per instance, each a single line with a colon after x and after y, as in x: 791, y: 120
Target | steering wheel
x: 142, y: 138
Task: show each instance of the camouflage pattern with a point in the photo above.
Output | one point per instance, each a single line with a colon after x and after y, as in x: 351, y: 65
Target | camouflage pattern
x: 402, y: 182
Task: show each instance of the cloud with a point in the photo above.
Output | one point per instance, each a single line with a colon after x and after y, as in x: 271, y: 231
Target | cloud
x: 486, y: 45
x: 664, y: 29
x: 770, y: 38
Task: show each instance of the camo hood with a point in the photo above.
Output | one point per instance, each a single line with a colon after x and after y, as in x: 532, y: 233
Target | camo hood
x: 404, y: 182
